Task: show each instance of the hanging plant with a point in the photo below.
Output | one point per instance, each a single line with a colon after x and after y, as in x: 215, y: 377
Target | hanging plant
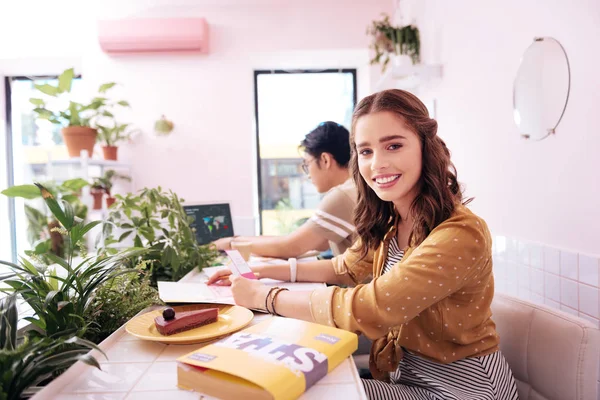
x: 390, y: 40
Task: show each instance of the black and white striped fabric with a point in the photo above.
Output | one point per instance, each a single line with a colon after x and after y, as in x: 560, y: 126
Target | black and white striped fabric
x: 476, y: 378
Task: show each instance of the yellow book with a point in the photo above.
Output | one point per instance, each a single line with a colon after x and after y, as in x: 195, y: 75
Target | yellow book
x: 279, y: 358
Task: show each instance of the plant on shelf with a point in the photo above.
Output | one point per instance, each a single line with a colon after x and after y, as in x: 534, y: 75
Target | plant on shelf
x: 103, y: 185
x: 156, y: 221
x: 110, y: 134
x: 41, y: 233
x: 391, y: 41
x: 76, y: 118
x: 26, y: 362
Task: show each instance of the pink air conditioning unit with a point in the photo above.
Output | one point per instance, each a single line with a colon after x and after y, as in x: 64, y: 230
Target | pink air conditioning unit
x: 153, y: 35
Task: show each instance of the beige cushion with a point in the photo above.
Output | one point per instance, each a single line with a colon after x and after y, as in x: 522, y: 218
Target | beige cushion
x: 553, y: 355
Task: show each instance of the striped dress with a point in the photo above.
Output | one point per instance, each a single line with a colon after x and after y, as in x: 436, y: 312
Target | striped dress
x: 476, y: 378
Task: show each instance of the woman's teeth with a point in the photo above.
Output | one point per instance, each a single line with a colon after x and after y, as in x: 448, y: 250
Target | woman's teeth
x: 387, y: 179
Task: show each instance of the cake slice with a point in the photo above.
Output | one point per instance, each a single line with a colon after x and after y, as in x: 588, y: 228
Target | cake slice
x: 186, y: 320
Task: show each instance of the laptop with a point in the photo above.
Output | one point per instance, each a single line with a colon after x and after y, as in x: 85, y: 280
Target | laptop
x: 211, y: 221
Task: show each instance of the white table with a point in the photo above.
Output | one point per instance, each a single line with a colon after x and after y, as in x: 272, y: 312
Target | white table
x: 138, y: 369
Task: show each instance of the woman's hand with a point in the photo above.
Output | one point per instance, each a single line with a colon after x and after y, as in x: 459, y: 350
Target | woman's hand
x: 220, y: 278
x: 249, y: 293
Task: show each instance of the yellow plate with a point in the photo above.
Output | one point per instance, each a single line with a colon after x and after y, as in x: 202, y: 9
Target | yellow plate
x: 231, y: 319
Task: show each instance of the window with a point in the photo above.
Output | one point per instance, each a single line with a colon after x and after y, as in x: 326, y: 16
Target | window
x: 288, y: 106
x: 31, y: 144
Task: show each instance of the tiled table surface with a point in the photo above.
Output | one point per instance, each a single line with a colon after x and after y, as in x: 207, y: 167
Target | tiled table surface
x: 138, y: 369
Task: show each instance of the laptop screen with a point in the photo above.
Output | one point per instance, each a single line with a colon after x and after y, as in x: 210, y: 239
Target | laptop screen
x: 211, y: 221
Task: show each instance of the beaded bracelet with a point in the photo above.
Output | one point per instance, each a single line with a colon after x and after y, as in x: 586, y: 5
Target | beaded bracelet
x: 267, y: 299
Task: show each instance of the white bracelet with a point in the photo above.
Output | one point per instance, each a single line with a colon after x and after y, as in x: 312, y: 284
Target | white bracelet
x: 293, y: 269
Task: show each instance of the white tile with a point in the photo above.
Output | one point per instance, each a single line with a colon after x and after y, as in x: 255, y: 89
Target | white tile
x: 524, y: 293
x: 173, y: 352
x: 588, y: 300
x: 536, y: 256
x: 551, y: 260
x: 588, y: 270
x: 522, y: 252
x: 160, y: 376
x: 500, y: 286
x: 168, y: 394
x: 569, y: 310
x: 551, y: 287
x: 512, y: 251
x: 569, y: 293
x: 134, y: 351
x: 537, y: 298
x: 500, y: 247
x: 91, y: 396
x: 112, y: 378
x: 537, y: 281
x: 500, y: 270
x: 552, y: 303
x: 342, y: 391
x: 511, y: 272
x: 568, y: 265
x: 593, y: 320
x: 341, y: 374
x: 512, y: 288
x: 523, y: 276
x: 129, y: 338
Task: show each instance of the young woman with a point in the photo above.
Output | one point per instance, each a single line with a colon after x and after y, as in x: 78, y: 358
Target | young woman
x: 427, y: 306
x: 326, y: 155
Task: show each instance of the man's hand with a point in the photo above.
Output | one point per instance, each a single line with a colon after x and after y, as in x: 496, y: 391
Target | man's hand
x: 223, y: 243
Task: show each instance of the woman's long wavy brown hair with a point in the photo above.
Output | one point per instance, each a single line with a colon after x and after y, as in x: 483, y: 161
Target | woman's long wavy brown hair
x: 439, y: 190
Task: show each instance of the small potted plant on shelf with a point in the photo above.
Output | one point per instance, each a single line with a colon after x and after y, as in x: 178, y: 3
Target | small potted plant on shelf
x: 103, y: 185
x: 76, y: 118
x: 394, y: 42
x: 111, y: 135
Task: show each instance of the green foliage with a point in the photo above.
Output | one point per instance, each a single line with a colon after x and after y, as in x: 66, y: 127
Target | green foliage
x: 156, y: 221
x: 75, y: 114
x: 117, y: 301
x: 388, y: 39
x: 25, y: 365
x: 113, y: 133
x: 41, y: 224
x: 61, y: 295
x: 106, y: 181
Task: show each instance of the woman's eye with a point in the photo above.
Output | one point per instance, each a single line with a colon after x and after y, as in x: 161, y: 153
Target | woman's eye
x: 394, y: 146
x: 364, y: 152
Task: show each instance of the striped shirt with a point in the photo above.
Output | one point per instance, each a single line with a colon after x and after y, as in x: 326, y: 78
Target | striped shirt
x: 394, y: 255
x: 333, y: 219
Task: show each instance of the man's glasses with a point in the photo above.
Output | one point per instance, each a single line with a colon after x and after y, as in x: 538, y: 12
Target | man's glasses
x: 306, y: 164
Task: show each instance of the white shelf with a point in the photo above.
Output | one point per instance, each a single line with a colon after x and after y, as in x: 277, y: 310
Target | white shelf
x: 91, y: 162
x: 409, y: 76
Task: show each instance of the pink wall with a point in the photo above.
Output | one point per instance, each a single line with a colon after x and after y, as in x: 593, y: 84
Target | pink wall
x: 211, y: 154
x: 546, y: 191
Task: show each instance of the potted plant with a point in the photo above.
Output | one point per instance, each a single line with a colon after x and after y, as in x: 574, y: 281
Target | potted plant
x: 111, y: 135
x: 103, y: 185
x: 76, y: 118
x: 398, y: 42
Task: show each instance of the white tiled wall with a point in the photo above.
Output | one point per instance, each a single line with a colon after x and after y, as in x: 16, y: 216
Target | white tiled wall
x: 558, y: 278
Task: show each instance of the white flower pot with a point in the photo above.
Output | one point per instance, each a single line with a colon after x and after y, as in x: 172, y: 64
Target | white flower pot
x: 401, y: 60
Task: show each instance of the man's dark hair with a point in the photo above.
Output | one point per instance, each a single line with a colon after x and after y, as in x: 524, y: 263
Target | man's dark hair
x: 329, y: 137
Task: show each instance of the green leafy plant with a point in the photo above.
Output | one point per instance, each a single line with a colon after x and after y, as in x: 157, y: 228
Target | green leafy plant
x: 389, y: 39
x: 111, y: 134
x: 61, y: 294
x: 25, y: 363
x: 156, y: 221
x: 41, y: 225
x: 116, y: 301
x: 105, y: 182
x: 76, y: 114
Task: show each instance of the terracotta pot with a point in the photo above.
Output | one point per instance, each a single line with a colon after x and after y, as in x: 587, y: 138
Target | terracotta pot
x: 98, y: 200
x: 79, y: 138
x: 109, y: 201
x: 110, y: 152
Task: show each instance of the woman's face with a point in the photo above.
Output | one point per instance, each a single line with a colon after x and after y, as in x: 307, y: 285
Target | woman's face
x: 389, y: 157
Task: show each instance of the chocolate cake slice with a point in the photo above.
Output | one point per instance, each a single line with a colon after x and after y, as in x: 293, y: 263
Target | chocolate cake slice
x: 186, y: 320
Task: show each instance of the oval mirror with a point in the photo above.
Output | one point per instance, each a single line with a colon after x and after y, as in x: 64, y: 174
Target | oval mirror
x: 541, y: 88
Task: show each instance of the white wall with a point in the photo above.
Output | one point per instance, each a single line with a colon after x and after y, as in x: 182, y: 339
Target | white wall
x: 546, y: 191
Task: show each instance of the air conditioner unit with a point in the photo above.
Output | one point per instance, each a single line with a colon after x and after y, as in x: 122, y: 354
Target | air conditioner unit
x: 153, y: 35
